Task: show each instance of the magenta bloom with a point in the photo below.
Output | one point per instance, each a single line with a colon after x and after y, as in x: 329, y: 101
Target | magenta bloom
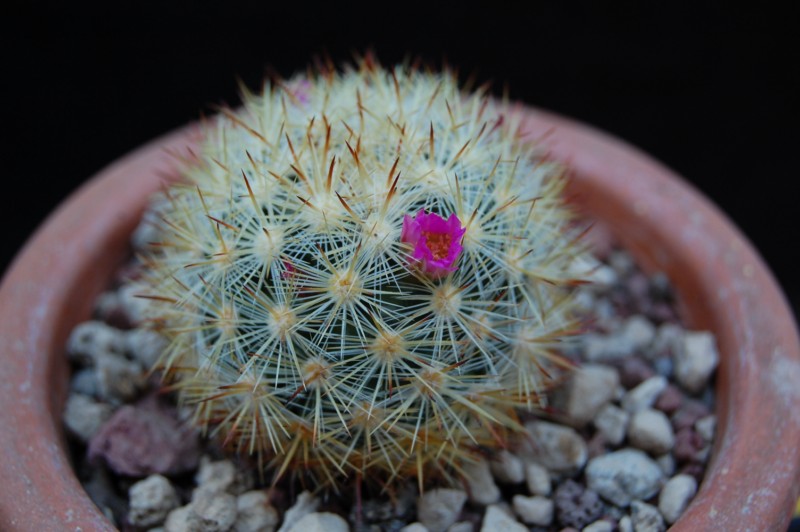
x: 436, y: 241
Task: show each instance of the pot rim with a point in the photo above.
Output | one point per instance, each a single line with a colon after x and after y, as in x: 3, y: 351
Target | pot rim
x: 724, y: 286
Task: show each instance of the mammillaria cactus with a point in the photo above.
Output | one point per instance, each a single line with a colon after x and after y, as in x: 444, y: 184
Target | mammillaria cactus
x: 363, y: 273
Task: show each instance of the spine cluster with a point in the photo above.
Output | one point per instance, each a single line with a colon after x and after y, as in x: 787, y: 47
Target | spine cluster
x: 364, y: 273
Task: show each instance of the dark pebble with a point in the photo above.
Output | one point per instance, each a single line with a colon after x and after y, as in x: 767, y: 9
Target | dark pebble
x: 576, y: 506
x: 670, y: 399
x: 596, y: 445
x: 687, y: 444
x: 634, y: 371
x: 146, y: 438
x: 694, y: 469
x: 687, y: 414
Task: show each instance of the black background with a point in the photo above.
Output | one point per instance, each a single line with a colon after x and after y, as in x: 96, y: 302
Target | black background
x: 709, y: 90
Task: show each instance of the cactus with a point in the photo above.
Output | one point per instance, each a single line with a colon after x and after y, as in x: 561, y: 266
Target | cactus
x: 363, y: 273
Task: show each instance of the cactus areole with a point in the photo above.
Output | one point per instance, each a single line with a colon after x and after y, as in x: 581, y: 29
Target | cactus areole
x: 363, y: 273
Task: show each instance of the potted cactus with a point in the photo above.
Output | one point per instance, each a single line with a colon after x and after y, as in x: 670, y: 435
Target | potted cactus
x: 367, y: 275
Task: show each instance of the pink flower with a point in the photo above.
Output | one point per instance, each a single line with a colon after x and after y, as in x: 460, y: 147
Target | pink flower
x: 436, y: 241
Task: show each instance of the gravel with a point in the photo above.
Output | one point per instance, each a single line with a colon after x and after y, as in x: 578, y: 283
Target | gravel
x: 623, y: 446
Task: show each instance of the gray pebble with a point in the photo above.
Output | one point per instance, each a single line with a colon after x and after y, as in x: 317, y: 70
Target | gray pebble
x: 644, y: 395
x: 151, y: 500
x: 651, y: 431
x: 536, y: 510
x: 696, y: 360
x: 623, y: 476
x: 646, y: 518
x: 440, y: 508
x: 537, y: 479
x: 675, y: 496
x: 496, y: 519
x: 558, y: 448
x: 612, y: 422
x: 625, y: 524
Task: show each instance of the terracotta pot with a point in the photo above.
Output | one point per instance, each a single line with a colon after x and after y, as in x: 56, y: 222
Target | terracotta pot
x: 753, y: 478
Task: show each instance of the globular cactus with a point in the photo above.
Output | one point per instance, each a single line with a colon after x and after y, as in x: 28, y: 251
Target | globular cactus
x: 364, y: 274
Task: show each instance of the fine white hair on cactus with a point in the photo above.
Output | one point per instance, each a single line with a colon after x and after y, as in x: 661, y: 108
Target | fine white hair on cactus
x: 364, y: 273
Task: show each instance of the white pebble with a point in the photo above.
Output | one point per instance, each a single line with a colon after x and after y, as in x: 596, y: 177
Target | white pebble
x: 254, y: 513
x: 623, y: 476
x: 482, y: 489
x: 646, y: 518
x: 92, y: 340
x: 612, y: 422
x: 625, y: 524
x: 703, y: 454
x: 644, y: 395
x: 535, y: 510
x: 118, y: 379
x: 589, y: 389
x: 212, y: 512
x: 558, y: 448
x: 220, y: 476
x: 144, y: 345
x: 507, y: 467
x: 320, y: 522
x: 706, y: 427
x: 151, y: 500
x: 304, y: 505
x: 601, y: 525
x: 696, y: 360
x: 675, y: 496
x: 651, y: 431
x: 178, y: 520
x: 602, y: 348
x: 84, y: 416
x: 639, y: 332
x: 415, y: 527
x: 634, y: 335
x: 667, y: 464
x: 669, y: 338
x: 498, y: 520
x: 131, y: 303
x: 537, y: 479
x: 439, y: 508
x: 461, y: 526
